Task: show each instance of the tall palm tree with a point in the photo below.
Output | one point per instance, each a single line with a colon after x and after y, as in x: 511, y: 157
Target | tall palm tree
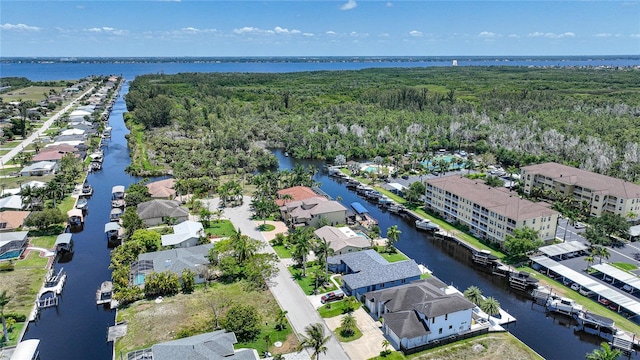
x: 604, y: 353
x: 473, y: 294
x: 589, y: 259
x: 314, y: 340
x: 348, y: 324
x: 281, y: 319
x: 322, y: 251
x: 393, y: 234
x: 243, y: 246
x: 491, y: 306
x: 4, y: 300
x: 602, y: 253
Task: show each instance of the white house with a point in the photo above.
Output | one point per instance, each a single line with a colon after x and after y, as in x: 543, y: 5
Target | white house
x: 310, y: 211
x: 40, y: 168
x: 185, y: 234
x: 420, y: 313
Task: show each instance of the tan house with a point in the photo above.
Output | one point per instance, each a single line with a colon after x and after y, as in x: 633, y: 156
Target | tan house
x: 309, y: 212
x: 343, y: 239
x: 162, y: 189
x: 12, y: 220
x: 490, y: 213
x: 603, y: 193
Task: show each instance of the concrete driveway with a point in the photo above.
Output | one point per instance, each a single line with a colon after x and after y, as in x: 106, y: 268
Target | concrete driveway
x: 370, y: 344
x: 286, y: 291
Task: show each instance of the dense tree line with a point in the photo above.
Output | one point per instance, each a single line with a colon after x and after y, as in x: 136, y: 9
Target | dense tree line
x: 205, y: 124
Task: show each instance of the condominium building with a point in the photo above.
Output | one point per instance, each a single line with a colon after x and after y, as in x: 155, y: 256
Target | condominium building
x: 603, y: 193
x: 490, y: 213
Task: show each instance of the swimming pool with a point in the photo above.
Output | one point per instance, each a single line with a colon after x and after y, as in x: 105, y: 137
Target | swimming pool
x: 139, y: 279
x: 11, y: 254
x: 447, y: 158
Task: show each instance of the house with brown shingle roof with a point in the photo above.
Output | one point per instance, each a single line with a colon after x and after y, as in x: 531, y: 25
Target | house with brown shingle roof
x: 162, y: 189
x: 11, y: 220
x: 490, y: 212
x: 603, y: 193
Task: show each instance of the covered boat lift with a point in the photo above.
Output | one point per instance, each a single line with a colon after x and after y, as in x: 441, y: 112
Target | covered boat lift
x: 114, y: 231
x: 64, y: 242
x: 362, y: 215
x: 620, y: 299
x: 75, y: 217
x: 26, y: 350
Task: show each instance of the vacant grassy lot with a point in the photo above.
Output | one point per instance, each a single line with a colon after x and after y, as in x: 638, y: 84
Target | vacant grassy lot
x: 308, y: 282
x: 33, y: 93
x: 151, y: 322
x: 503, y: 346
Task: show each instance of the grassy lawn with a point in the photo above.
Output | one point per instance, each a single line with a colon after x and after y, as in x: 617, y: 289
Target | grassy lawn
x: 150, y: 322
x: 33, y: 93
x: 590, y: 305
x: 335, y: 308
x: 266, y: 227
x: 393, y: 257
x: 12, y: 183
x: 624, y: 266
x: 307, y: 283
x: 14, y: 332
x: 503, y: 346
x: 22, y: 285
x: 357, y: 334
x: 33, y: 260
x: 222, y: 228
x: 282, y: 251
x: 394, y: 355
x: 66, y: 204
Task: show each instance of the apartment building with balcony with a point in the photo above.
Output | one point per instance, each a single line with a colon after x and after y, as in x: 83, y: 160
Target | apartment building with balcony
x: 603, y: 193
x: 490, y: 212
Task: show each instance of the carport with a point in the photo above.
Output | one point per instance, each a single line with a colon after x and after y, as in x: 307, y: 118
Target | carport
x: 566, y: 249
x: 622, y: 300
x: 622, y: 276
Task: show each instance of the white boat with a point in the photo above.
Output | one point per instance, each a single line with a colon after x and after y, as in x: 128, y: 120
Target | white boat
x: 427, y: 225
x: 564, y: 306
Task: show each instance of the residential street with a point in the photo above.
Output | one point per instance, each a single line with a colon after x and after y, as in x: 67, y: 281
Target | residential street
x: 286, y: 291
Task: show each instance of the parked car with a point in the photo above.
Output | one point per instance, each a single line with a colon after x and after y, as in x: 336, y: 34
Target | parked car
x: 575, y: 287
x: 406, y: 177
x: 627, y: 288
x: 604, y: 301
x: 332, y: 296
x: 579, y: 225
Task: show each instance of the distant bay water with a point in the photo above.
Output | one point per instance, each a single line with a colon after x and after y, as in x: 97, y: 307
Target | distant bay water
x: 39, y: 69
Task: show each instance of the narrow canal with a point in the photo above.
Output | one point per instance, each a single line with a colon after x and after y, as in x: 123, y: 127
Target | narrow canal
x: 77, y: 328
x: 552, y: 337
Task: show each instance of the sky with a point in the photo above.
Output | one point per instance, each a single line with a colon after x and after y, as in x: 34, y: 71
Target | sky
x: 200, y: 28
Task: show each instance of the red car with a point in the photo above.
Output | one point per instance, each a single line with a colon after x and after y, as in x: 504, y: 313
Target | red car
x: 332, y: 296
x: 604, y: 301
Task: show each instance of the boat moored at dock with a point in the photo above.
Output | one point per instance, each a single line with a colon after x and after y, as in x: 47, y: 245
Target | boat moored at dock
x: 117, y: 196
x: 426, y: 225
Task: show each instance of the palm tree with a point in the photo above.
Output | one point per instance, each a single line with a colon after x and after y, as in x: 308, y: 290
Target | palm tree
x: 473, y: 294
x: 350, y: 303
x: 490, y: 306
x: 4, y: 300
x: 243, y: 246
x: 323, y: 250
x: 348, y: 325
x: 281, y: 320
x: 604, y: 353
x: 301, y: 247
x: 601, y: 252
x: 385, y: 346
x: 314, y: 340
x: 393, y: 234
x: 589, y: 259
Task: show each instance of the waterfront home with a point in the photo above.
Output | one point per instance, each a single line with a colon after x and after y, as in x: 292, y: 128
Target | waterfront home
x: 295, y: 193
x: 491, y: 213
x: 343, y: 240
x: 49, y: 155
x: 10, y: 220
x: 420, y: 313
x: 185, y: 234
x: 13, y: 202
x: 216, y: 345
x: 309, y: 212
x: 162, y: 189
x: 174, y: 260
x: 366, y: 271
x: 157, y: 212
x: 12, y: 244
x: 602, y: 193
x: 40, y: 168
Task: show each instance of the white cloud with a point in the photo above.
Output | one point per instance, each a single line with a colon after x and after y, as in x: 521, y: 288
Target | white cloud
x: 415, y: 33
x: 384, y: 35
x: 603, y: 35
x: 513, y: 36
x: 281, y: 30
x: 253, y: 30
x: 308, y: 34
x: 351, y: 4
x: 551, y: 35
x: 192, y: 30
x: 331, y: 32
x: 389, y: 4
x: 635, y: 36
x: 488, y: 35
x: 19, y: 27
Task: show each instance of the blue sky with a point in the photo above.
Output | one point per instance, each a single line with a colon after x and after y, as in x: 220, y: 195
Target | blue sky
x: 318, y: 28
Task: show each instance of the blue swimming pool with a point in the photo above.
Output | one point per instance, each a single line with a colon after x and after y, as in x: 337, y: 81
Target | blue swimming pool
x: 14, y: 254
x: 447, y: 158
x: 139, y: 279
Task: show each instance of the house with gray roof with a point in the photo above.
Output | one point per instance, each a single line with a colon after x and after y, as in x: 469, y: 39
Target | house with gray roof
x: 185, y: 234
x: 174, y: 260
x: 155, y: 212
x: 12, y: 242
x: 421, y: 313
x: 216, y: 345
x: 40, y: 168
x: 367, y: 271
x: 343, y: 240
x: 309, y: 212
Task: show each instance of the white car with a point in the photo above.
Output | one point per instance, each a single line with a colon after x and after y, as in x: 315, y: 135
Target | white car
x: 575, y: 287
x: 579, y: 225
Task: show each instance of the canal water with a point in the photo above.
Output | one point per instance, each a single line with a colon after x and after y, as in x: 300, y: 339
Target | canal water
x: 77, y: 328
x: 551, y: 336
